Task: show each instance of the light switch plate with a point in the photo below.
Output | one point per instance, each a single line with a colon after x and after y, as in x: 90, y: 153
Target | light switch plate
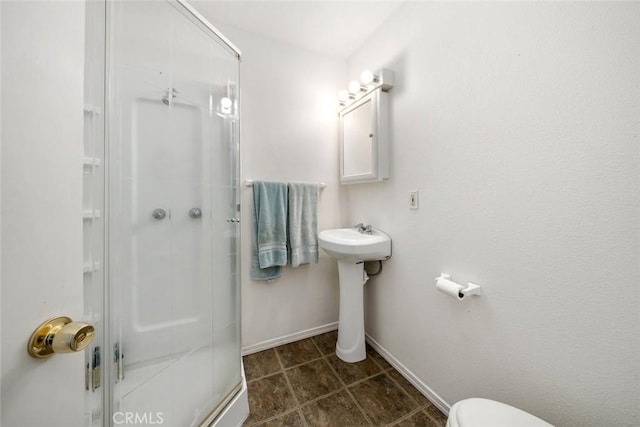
x: 413, y: 199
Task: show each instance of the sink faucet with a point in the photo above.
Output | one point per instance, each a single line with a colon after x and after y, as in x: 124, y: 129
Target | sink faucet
x: 364, y: 229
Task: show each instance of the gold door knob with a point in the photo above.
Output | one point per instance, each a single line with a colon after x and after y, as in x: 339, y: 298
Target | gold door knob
x: 59, y: 335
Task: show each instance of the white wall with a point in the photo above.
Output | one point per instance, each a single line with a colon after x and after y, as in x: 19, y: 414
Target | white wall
x: 288, y: 133
x: 518, y: 124
x: 42, y: 100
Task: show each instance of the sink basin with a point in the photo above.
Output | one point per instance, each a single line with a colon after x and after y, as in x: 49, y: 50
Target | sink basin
x: 350, y: 248
x: 350, y: 244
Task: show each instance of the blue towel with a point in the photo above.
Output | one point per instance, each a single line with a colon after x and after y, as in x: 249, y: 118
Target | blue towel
x: 270, y: 230
x: 303, y: 223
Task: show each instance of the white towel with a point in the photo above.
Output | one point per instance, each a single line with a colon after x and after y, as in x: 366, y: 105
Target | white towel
x: 303, y: 223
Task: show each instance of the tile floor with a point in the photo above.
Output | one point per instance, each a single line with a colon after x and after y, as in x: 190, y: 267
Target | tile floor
x: 305, y: 384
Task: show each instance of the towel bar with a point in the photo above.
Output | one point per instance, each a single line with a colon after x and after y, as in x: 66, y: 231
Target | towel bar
x: 249, y: 183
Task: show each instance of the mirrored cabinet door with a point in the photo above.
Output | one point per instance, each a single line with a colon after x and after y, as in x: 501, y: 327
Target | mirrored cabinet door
x: 364, y: 139
x: 358, y: 153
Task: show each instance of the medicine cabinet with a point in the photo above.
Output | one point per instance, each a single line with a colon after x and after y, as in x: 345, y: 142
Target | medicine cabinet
x: 364, y: 139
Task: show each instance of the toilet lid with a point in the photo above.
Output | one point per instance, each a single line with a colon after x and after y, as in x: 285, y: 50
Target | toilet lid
x: 477, y: 412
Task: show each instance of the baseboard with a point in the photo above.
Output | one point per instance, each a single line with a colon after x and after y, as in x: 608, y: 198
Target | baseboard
x: 410, y: 376
x: 286, y: 339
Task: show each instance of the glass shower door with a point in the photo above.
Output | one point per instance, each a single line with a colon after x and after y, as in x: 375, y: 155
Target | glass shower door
x: 173, y: 238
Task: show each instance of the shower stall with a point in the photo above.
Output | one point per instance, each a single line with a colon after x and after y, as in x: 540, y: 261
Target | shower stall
x: 162, y: 230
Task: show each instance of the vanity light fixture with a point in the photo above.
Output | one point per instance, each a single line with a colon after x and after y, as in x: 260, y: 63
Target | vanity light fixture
x: 225, y: 105
x: 367, y: 77
x: 355, y: 87
x: 344, y: 97
x: 369, y: 81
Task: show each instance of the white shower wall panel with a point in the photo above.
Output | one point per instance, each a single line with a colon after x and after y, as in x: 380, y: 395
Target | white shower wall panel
x: 163, y: 141
x: 166, y: 163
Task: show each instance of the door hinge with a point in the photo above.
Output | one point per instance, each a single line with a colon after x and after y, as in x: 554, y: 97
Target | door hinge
x: 117, y: 360
x: 93, y: 371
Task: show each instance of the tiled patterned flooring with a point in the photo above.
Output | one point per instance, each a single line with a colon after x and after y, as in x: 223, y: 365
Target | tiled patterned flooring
x: 305, y: 384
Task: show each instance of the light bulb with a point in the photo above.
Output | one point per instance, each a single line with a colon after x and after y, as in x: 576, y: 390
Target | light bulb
x: 343, y: 96
x: 226, y: 103
x: 354, y: 86
x: 367, y: 77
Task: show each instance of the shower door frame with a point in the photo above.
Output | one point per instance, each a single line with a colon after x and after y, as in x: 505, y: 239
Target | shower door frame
x: 107, y: 371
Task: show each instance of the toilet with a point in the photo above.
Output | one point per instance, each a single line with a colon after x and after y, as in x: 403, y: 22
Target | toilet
x: 476, y: 412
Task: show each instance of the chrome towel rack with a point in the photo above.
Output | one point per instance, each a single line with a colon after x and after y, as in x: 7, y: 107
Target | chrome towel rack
x: 249, y: 183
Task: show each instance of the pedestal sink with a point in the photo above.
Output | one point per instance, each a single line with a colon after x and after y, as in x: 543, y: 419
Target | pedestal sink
x: 351, y: 248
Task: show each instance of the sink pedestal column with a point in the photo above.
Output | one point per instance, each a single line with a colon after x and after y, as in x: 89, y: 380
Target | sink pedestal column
x: 351, y: 344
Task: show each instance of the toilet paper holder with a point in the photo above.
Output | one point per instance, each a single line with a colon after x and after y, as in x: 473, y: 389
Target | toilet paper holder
x: 470, y: 289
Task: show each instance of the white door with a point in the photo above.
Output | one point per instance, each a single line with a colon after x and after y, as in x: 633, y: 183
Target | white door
x: 41, y: 272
